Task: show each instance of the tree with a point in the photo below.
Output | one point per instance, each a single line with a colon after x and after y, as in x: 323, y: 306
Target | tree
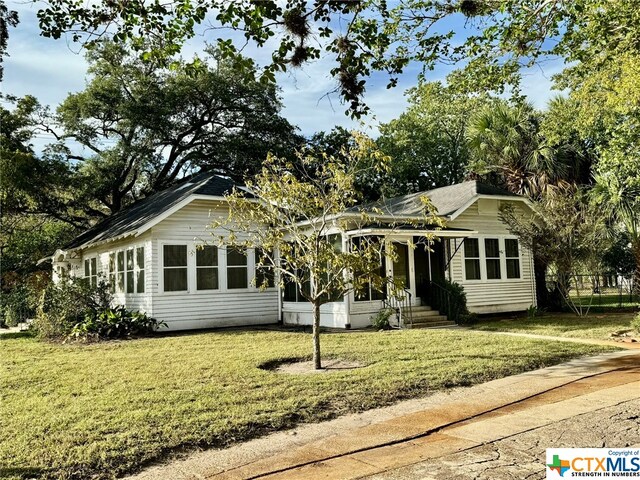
x: 564, y: 231
x: 293, y: 213
x: 427, y: 142
x: 367, y: 37
x: 8, y: 18
x: 145, y: 125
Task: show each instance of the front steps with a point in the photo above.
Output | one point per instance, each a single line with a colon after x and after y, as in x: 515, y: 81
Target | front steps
x: 426, y: 317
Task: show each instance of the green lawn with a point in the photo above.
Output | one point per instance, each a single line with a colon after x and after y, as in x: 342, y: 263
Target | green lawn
x: 79, y: 411
x: 595, y: 325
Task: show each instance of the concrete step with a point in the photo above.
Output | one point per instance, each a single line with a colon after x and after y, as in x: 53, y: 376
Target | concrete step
x: 422, y: 308
x: 424, y: 313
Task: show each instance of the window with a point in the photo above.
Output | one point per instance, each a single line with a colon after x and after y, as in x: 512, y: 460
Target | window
x: 471, y: 259
x: 129, y: 280
x: 513, y: 257
x: 91, y: 271
x: 236, y: 268
x: 207, y: 268
x: 369, y: 293
x: 112, y: 272
x: 492, y: 258
x: 264, y: 273
x: 139, y: 269
x: 120, y: 271
x: 175, y: 268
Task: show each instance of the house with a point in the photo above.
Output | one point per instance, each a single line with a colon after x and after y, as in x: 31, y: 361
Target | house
x: 156, y: 258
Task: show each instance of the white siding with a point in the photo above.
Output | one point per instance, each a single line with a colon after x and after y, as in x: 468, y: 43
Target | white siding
x: 331, y: 314
x: 487, y: 296
x: 204, y: 309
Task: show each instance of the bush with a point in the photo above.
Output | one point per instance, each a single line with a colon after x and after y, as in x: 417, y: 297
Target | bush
x: 112, y: 323
x: 635, y: 323
x: 18, y: 305
x: 66, y: 303
x: 381, y: 319
x: 453, y: 303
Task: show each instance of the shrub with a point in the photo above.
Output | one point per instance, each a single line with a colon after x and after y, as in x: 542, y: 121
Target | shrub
x: 380, y: 321
x: 451, y: 300
x: 635, y: 323
x: 17, y: 306
x: 112, y: 323
x: 65, y: 304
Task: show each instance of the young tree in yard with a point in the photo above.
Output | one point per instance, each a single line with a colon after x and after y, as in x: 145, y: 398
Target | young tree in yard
x: 565, y: 231
x: 290, y: 213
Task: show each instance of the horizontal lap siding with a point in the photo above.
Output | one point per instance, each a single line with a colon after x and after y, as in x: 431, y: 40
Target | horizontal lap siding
x: 492, y: 295
x: 182, y: 311
x: 300, y: 313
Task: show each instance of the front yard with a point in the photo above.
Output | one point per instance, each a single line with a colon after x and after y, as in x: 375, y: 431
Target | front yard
x: 594, y: 326
x: 74, y: 411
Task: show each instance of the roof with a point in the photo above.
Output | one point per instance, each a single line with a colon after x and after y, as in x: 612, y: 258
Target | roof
x: 131, y: 219
x: 447, y: 200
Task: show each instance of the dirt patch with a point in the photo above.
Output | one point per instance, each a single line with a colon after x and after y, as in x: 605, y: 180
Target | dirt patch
x: 328, y: 366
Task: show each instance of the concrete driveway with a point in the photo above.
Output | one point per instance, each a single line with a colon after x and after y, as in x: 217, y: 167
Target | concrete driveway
x: 495, y: 430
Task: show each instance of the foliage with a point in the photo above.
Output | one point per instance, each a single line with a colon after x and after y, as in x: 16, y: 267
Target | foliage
x: 618, y: 257
x: 562, y: 230
x: 206, y: 390
x: 452, y: 303
x: 302, y: 209
x: 8, y: 18
x: 635, y: 323
x: 112, y: 323
x: 380, y: 321
x: 66, y: 303
x: 532, y: 312
x: 145, y: 125
x: 427, y: 142
x: 17, y: 306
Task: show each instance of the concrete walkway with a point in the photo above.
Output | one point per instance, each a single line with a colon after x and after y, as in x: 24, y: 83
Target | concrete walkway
x: 385, y: 440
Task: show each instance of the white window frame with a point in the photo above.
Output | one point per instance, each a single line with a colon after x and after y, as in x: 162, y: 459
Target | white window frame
x: 136, y: 269
x: 483, y: 259
x: 480, y: 259
x: 253, y: 254
x: 93, y: 275
x: 196, y: 267
x: 519, y: 258
x: 189, y: 267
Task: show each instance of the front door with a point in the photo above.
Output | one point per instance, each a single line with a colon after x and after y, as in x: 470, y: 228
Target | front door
x: 429, y: 266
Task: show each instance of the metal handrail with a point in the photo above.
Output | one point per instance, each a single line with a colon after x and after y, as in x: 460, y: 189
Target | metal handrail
x: 402, y: 306
x: 440, y: 299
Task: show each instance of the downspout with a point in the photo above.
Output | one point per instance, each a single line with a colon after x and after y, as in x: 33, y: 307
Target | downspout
x: 347, y: 297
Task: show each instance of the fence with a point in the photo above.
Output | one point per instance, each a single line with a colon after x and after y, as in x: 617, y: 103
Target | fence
x: 600, y: 290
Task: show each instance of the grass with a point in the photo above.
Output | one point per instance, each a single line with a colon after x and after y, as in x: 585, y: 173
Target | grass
x: 593, y: 326
x: 102, y: 410
x: 608, y: 300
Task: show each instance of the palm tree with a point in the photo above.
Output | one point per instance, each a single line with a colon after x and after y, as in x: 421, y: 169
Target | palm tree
x: 623, y: 202
x: 505, y: 141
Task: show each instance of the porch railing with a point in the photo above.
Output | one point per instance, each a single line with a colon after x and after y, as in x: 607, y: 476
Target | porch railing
x: 401, y: 304
x: 441, y: 299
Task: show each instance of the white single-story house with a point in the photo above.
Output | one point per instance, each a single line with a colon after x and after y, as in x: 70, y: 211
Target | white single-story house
x: 148, y: 252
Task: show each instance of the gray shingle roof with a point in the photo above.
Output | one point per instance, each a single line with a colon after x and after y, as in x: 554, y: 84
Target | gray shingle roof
x: 447, y: 200
x: 140, y: 213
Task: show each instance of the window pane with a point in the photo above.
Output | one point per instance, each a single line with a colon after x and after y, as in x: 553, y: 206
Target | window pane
x: 175, y: 279
x: 364, y: 295
x: 87, y: 272
x: 130, y: 281
x: 264, y: 273
x: 140, y: 257
x: 493, y: 269
x: 491, y: 248
x: 112, y: 262
x: 140, y: 282
x: 237, y: 277
x: 120, y: 261
x: 289, y: 291
x: 511, y: 247
x: 94, y: 266
x: 513, y: 268
x: 236, y: 257
x: 120, y: 285
x: 175, y: 255
x: 471, y: 249
x: 336, y: 241
x: 130, y: 259
x: 207, y: 278
x: 472, y: 269
x: 207, y: 256
x: 401, y: 264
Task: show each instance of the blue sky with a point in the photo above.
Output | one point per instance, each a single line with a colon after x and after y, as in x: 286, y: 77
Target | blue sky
x: 51, y: 69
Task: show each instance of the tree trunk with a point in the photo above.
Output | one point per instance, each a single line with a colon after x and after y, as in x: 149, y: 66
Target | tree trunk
x: 316, y: 336
x: 540, y: 268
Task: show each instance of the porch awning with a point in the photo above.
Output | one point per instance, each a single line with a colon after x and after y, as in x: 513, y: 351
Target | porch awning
x: 403, y: 232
